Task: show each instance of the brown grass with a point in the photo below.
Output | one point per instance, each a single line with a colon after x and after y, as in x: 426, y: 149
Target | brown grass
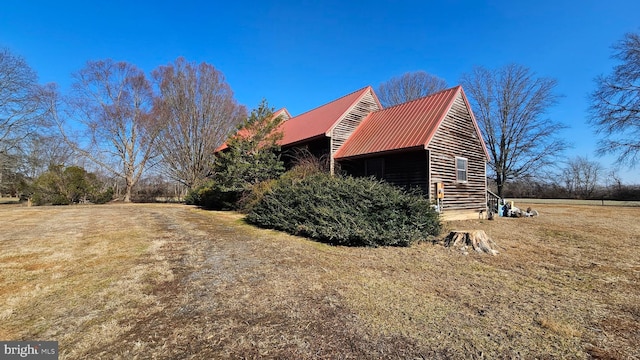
x: 169, y: 281
x: 9, y: 200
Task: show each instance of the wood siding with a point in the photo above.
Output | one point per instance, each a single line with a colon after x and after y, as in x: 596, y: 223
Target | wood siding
x: 318, y: 148
x: 347, y: 125
x: 409, y: 169
x: 457, y: 136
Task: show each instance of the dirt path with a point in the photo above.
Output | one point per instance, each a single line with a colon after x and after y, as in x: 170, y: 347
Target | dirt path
x: 237, y: 293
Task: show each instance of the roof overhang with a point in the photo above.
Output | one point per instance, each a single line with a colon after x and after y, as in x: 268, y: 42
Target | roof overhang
x: 303, y: 141
x: 383, y: 153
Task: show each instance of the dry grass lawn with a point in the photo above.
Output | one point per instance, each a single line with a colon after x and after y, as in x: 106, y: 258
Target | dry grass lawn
x: 174, y: 282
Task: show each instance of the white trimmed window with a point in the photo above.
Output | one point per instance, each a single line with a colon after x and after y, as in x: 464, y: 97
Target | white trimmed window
x: 461, y: 169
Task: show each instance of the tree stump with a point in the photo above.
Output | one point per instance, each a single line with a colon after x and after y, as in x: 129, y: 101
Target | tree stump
x: 478, y: 240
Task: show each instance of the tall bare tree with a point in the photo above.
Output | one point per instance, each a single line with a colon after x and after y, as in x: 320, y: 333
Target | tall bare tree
x: 113, y: 101
x: 509, y: 104
x: 198, y: 111
x: 19, y: 108
x: 409, y: 86
x: 21, y: 112
x: 615, y: 104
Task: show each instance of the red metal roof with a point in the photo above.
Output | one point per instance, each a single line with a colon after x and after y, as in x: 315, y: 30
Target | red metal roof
x: 319, y: 121
x: 403, y: 126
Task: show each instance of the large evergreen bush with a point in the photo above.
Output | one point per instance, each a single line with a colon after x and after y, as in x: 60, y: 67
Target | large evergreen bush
x: 251, y: 157
x: 346, y: 211
x: 69, y: 185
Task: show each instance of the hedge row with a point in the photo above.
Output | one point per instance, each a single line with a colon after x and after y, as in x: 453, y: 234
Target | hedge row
x: 345, y: 211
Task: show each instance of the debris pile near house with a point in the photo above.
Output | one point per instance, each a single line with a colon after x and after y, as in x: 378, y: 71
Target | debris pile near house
x: 510, y: 210
x: 477, y: 240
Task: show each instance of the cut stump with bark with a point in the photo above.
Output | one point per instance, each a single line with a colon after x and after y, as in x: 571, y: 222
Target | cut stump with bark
x: 478, y: 240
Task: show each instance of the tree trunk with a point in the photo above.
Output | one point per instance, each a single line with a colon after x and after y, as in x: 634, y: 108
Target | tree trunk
x: 127, y: 190
x: 478, y: 240
x: 127, y: 195
x: 499, y: 184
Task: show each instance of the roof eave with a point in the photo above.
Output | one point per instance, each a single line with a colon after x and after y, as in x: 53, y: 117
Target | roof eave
x: 381, y: 153
x: 302, y: 141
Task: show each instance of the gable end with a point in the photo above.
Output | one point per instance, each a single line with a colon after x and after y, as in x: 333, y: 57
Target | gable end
x: 458, y: 137
x: 350, y: 121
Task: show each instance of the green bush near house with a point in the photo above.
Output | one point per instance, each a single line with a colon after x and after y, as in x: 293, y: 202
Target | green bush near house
x: 345, y: 211
x: 250, y: 199
x: 251, y: 157
x: 213, y: 196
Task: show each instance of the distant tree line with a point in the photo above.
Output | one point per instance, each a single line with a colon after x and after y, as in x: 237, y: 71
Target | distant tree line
x: 541, y: 189
x: 579, y: 178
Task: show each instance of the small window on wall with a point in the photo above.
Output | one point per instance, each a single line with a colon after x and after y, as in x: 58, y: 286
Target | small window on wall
x: 461, y: 169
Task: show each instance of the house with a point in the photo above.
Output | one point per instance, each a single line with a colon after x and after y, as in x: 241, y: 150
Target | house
x: 425, y: 143
x: 323, y: 130
x: 432, y: 144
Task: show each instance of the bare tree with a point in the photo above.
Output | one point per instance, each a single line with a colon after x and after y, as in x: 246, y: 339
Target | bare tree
x: 112, y: 100
x: 615, y: 104
x: 613, y: 180
x: 20, y: 110
x: 198, y: 111
x: 509, y: 104
x: 409, y: 86
x: 44, y: 150
x: 581, y: 177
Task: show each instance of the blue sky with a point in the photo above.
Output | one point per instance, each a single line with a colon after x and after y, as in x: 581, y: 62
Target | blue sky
x: 302, y: 54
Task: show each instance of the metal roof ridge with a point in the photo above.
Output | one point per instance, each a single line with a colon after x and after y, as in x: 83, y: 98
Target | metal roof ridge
x: 331, y: 102
x: 421, y: 98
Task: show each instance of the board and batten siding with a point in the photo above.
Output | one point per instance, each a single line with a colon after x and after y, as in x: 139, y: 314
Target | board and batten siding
x: 457, y: 137
x: 350, y: 121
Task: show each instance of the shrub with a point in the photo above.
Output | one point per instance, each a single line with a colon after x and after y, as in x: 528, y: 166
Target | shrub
x: 68, y: 185
x: 306, y: 165
x: 346, y: 211
x: 103, y: 197
x: 213, y: 196
x: 192, y: 197
x: 250, y: 199
x: 251, y: 157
